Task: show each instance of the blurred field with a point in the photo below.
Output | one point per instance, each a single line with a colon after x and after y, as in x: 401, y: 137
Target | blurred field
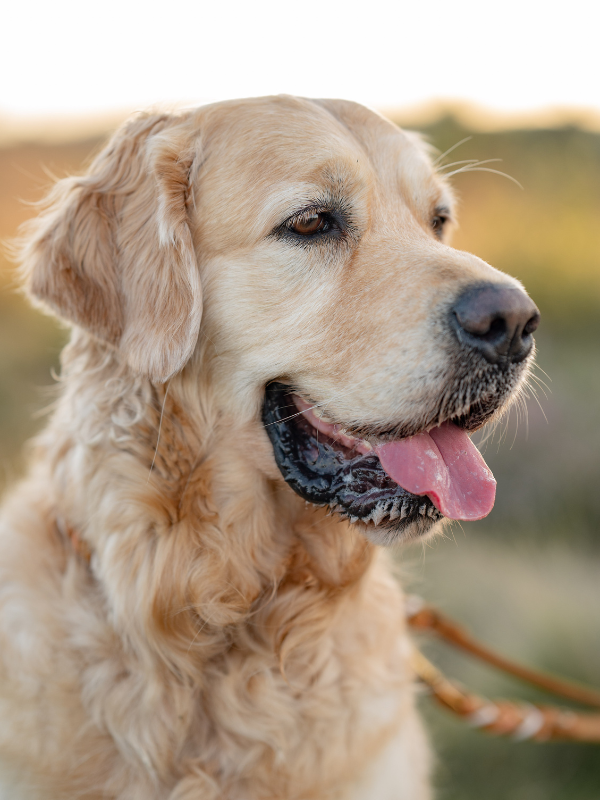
x: 526, y: 579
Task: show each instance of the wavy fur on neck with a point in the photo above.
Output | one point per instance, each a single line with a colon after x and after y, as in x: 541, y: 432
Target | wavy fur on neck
x: 220, y: 644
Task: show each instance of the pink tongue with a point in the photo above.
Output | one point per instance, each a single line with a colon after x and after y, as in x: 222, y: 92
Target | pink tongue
x: 445, y: 465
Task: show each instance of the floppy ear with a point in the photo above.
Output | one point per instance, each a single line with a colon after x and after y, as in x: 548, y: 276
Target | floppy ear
x: 113, y: 251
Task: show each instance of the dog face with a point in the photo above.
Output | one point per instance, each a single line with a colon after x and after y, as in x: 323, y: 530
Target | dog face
x: 328, y: 280
x: 342, y: 321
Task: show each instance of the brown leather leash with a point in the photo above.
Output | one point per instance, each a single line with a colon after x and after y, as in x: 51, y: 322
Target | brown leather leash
x: 521, y: 720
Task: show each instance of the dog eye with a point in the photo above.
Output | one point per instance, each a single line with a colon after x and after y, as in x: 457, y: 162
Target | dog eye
x: 437, y: 224
x: 311, y: 222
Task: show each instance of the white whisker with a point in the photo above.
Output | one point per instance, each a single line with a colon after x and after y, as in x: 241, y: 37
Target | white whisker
x: 475, y: 162
x: 455, y: 163
x: 541, y: 385
x: 537, y: 366
x: 487, y: 169
x: 162, y: 411
x: 536, y: 398
x: 450, y: 149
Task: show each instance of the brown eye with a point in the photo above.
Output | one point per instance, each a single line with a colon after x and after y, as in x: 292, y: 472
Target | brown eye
x: 309, y: 223
x: 437, y: 224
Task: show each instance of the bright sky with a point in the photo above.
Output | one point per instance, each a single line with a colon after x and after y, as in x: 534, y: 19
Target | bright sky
x: 72, y: 56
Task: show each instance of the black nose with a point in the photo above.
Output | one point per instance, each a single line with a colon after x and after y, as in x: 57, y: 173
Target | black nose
x: 497, y: 321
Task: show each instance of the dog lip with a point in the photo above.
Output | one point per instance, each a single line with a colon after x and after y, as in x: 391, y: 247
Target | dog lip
x: 370, y: 439
x: 333, y: 430
x: 363, y: 440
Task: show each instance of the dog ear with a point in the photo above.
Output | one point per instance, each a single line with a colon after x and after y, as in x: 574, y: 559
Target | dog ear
x: 113, y: 251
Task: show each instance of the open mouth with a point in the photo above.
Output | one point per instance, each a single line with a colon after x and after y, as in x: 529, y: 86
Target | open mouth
x: 401, y: 487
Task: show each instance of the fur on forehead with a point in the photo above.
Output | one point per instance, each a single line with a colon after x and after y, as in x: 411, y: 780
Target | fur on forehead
x: 280, y: 152
x: 402, y: 157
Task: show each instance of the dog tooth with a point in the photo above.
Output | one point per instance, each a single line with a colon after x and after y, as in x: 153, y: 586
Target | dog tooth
x: 423, y: 509
x: 395, y: 509
x: 353, y: 519
x: 378, y: 513
x: 405, y: 509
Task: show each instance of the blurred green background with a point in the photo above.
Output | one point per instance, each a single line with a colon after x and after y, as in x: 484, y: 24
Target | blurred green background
x: 526, y: 579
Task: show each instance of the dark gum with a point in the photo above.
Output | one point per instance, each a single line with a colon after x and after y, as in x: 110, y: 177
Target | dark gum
x: 326, y: 473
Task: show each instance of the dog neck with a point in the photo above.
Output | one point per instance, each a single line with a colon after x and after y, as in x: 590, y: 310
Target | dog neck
x: 172, y: 511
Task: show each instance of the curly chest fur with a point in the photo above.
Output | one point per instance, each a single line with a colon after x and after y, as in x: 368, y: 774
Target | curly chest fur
x: 291, y: 700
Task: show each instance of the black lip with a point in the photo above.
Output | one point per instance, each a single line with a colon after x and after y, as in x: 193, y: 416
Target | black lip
x: 326, y: 473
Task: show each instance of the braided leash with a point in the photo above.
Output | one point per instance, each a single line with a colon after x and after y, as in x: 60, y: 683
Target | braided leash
x: 520, y: 720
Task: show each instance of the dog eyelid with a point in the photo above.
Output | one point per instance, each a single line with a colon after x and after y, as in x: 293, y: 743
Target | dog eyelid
x: 439, y: 220
x: 312, y: 223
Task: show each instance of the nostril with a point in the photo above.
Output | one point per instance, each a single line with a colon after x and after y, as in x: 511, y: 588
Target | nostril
x: 532, y: 324
x: 496, y: 330
x: 483, y: 325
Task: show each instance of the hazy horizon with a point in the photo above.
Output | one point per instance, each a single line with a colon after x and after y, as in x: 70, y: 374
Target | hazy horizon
x: 57, y: 128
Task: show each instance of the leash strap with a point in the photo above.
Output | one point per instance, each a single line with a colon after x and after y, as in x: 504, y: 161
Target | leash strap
x: 503, y: 717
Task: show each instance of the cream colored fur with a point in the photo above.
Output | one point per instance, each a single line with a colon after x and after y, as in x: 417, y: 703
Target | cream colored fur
x: 226, y: 640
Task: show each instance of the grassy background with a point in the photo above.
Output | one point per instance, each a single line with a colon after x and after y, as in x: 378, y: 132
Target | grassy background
x: 526, y: 579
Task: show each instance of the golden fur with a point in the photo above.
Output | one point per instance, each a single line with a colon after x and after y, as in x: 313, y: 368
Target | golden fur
x: 226, y: 640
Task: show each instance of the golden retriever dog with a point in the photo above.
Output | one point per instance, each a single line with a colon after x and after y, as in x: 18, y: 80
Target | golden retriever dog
x: 275, y: 364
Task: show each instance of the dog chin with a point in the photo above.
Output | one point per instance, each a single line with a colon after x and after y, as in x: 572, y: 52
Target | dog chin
x: 390, y: 534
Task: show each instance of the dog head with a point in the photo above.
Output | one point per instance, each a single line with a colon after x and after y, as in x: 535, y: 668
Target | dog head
x: 355, y: 340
